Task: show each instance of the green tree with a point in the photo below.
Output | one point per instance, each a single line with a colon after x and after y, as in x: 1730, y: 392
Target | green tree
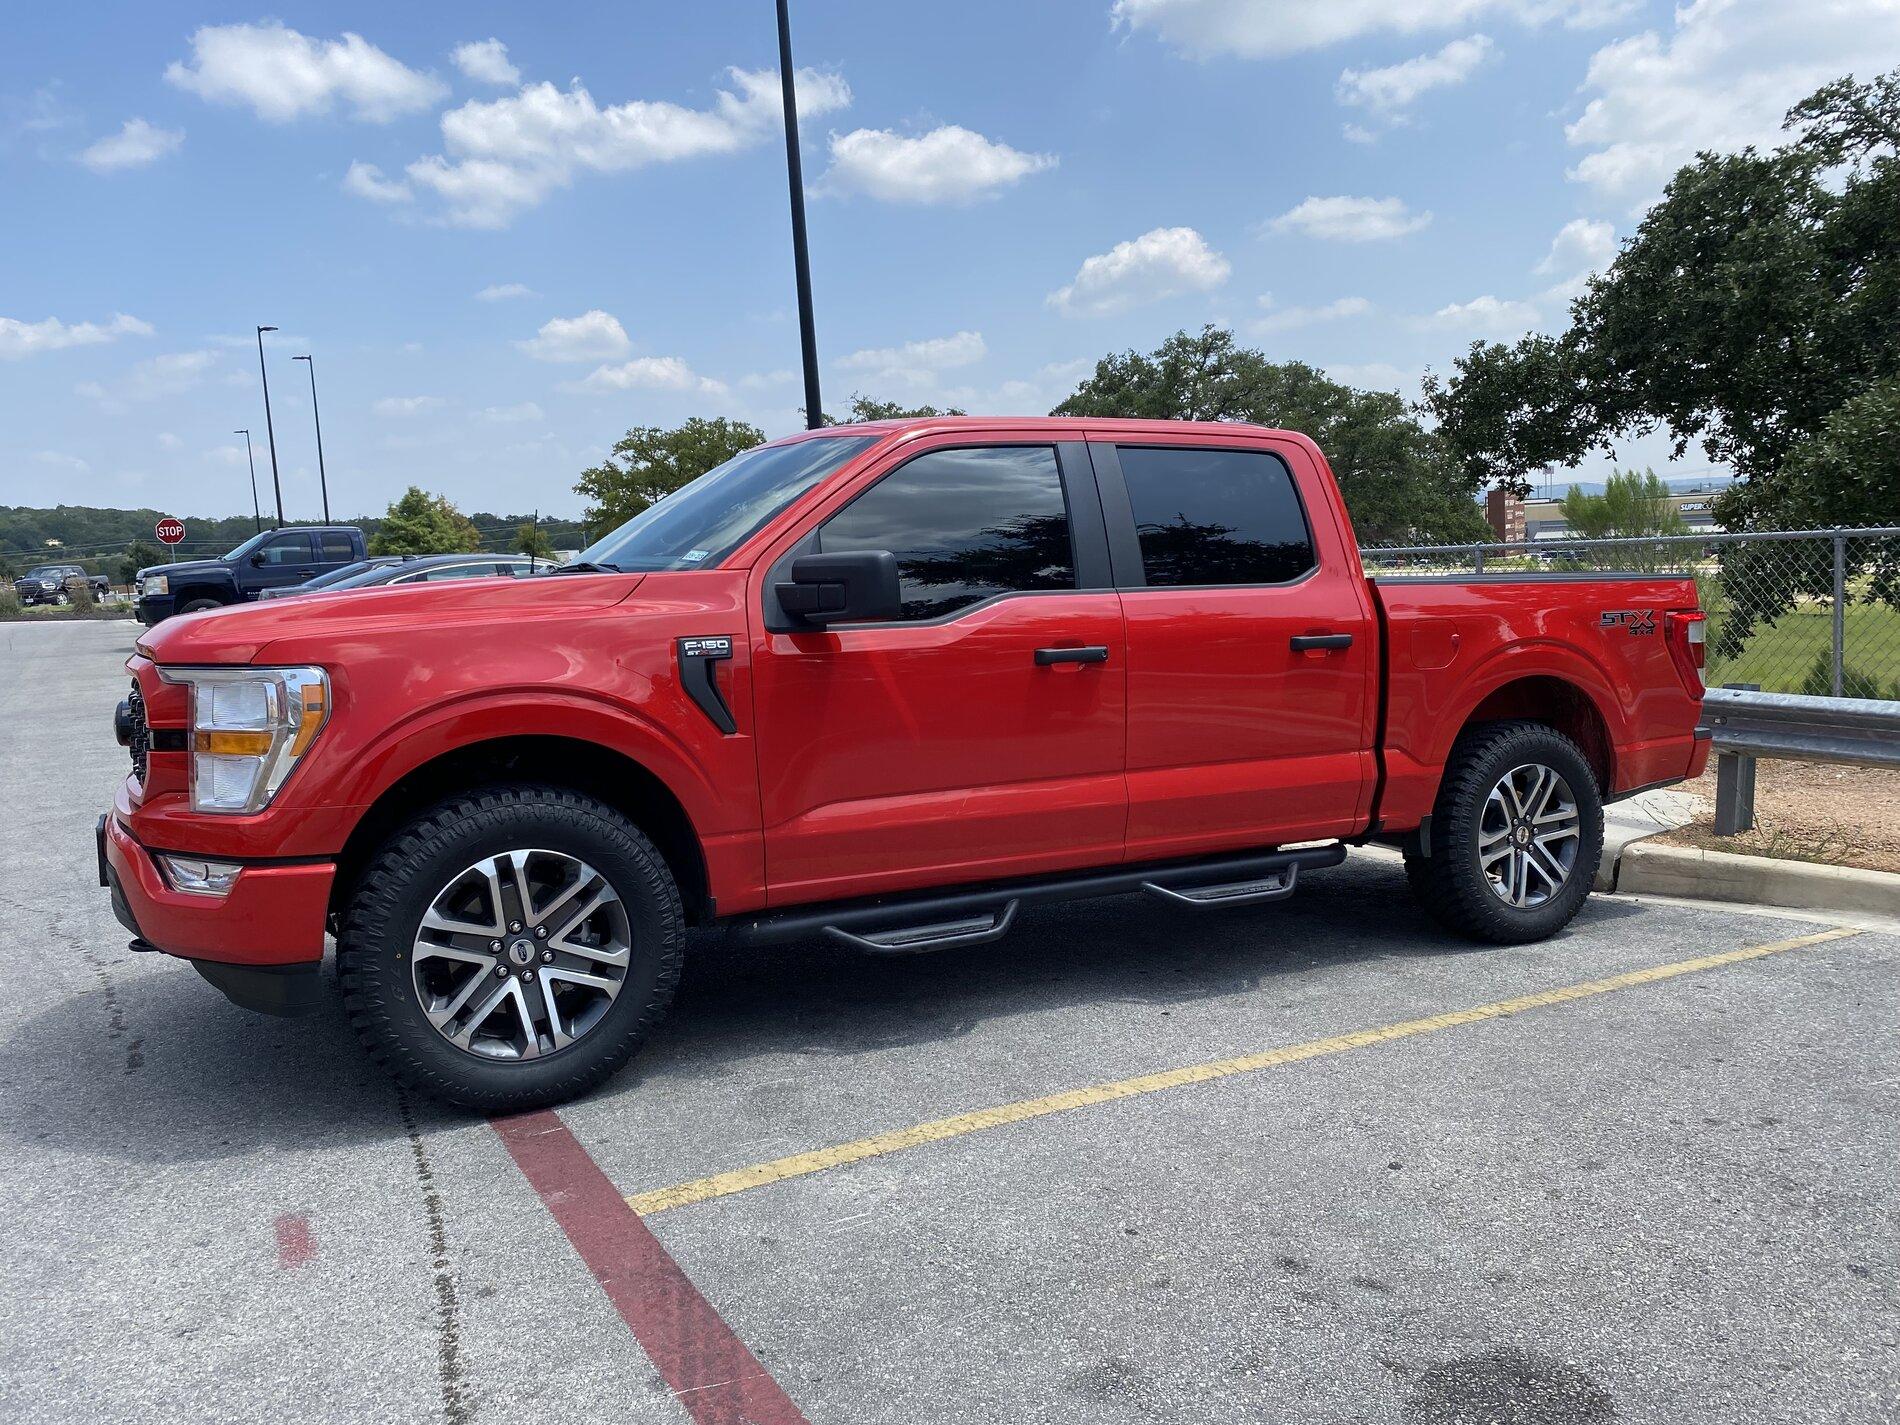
x: 648, y: 463
x: 1399, y: 480
x: 421, y: 523
x: 864, y: 408
x: 1632, y: 506
x: 138, y: 555
x: 532, y: 540
x: 1756, y: 300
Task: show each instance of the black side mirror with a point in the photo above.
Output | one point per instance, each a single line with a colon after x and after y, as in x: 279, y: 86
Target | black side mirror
x: 257, y: 560
x: 858, y: 586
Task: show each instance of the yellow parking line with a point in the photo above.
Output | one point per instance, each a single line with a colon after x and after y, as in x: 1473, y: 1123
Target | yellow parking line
x: 800, y: 1164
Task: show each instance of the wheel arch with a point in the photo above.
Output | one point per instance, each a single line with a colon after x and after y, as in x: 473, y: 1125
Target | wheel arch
x: 1557, y: 702
x: 579, y: 765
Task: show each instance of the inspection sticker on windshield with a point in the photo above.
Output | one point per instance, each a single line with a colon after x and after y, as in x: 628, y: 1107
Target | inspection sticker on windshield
x: 693, y: 556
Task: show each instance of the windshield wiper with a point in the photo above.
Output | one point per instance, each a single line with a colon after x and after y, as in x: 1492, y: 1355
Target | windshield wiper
x: 587, y: 566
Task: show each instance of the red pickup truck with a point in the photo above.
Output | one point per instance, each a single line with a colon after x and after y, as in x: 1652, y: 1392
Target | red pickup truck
x: 886, y: 683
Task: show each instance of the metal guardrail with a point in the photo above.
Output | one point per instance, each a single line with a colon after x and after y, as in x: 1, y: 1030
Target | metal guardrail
x: 1748, y: 724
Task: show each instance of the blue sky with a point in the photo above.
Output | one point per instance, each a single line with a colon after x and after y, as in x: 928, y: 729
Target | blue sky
x: 509, y: 234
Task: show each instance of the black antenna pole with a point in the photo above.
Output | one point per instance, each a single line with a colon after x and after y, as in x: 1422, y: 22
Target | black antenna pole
x: 801, y: 254
x: 257, y: 515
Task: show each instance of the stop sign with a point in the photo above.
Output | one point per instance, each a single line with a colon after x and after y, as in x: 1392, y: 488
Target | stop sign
x: 169, y: 531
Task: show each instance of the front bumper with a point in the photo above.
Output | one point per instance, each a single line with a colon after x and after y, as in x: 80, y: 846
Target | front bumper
x: 154, y: 608
x: 261, y: 944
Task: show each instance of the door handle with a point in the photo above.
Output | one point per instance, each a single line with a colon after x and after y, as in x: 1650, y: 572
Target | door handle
x: 1047, y: 656
x: 1303, y: 641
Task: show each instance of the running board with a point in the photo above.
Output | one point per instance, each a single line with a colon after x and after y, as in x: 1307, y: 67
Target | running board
x: 910, y: 925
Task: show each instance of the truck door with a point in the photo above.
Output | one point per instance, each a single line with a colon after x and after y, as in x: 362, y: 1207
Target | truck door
x: 287, y: 558
x: 978, y: 736
x: 1251, y: 693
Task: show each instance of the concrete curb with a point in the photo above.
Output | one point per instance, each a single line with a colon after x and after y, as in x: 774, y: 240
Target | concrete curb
x: 1646, y: 869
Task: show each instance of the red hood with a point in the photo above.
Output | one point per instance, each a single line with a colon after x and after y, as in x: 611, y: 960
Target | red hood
x: 244, y: 632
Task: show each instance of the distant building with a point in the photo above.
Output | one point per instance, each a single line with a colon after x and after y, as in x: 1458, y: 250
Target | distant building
x: 1542, y: 518
x: 1504, y: 512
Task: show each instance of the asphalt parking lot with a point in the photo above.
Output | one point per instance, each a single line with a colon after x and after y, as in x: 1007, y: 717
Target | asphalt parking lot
x: 1667, y: 1195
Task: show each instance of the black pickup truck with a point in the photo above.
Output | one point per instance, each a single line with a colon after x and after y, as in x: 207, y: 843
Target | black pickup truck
x: 265, y: 561
x: 53, y: 583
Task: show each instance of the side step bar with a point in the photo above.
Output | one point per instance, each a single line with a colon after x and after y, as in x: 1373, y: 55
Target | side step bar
x: 910, y: 925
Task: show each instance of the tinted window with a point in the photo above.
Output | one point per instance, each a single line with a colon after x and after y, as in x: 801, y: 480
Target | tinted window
x: 965, y: 525
x: 337, y: 548
x: 451, y: 571
x: 290, y: 549
x: 1215, y: 516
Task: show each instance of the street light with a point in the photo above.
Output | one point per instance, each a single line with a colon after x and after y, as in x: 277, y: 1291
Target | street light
x: 257, y: 515
x: 323, y: 480
x: 269, y: 429
x: 801, y: 257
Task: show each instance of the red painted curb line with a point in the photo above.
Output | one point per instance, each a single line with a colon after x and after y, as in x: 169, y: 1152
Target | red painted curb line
x: 710, y: 1371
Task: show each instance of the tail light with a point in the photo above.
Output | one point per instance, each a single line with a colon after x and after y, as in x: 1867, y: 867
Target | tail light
x: 1687, y: 631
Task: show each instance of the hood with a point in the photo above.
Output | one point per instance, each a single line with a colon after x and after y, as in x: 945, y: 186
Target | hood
x: 187, y: 566
x: 244, y: 633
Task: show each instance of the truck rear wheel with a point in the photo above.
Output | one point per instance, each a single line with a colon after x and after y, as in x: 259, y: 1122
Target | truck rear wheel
x: 1516, y: 834
x: 510, y: 948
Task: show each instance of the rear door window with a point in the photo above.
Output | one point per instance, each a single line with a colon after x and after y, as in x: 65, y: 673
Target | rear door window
x: 1209, y: 516
x: 965, y: 525
x: 337, y: 548
x: 287, y: 549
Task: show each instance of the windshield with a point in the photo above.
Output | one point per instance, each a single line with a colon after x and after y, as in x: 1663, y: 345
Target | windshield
x: 699, y: 524
x: 46, y: 571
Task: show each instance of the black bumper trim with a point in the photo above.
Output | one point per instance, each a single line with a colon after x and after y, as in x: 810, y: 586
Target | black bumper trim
x: 284, y: 990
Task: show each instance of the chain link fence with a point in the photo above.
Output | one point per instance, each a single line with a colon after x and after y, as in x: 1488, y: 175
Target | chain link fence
x: 1808, y: 611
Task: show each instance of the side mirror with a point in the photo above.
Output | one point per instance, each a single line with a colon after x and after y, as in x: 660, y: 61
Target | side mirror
x: 257, y: 560
x: 859, y: 586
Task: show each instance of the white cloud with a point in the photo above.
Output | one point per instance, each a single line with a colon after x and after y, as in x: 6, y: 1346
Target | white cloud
x: 1286, y: 318
x: 136, y: 144
x: 168, y: 441
x: 592, y: 336
x: 366, y: 180
x: 153, y: 379
x: 284, y: 75
x: 400, y: 406
x: 917, y: 363
x: 947, y: 165
x: 503, y: 291
x: 652, y: 373
x: 1487, y: 316
x: 486, y: 62
x: 1344, y: 219
x: 506, y: 155
x: 1581, y: 245
x: 526, y: 411
x: 60, y: 459
x: 1392, y: 90
x: 1164, y: 262
x: 1257, y: 29
x: 18, y: 338
x: 1721, y: 80
x: 1376, y: 376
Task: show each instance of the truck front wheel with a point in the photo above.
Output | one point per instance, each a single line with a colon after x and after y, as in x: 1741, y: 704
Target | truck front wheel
x: 198, y: 606
x: 1516, y: 834
x: 511, y: 947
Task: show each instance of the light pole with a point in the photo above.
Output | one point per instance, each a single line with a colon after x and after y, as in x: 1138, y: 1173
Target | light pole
x: 269, y: 429
x: 801, y: 257
x: 257, y: 515
x: 323, y: 480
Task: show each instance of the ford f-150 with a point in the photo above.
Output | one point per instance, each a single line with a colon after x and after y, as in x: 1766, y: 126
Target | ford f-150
x: 885, y: 683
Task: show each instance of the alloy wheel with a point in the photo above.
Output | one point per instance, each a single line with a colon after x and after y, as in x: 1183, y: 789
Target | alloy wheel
x: 521, y: 954
x: 1529, y: 835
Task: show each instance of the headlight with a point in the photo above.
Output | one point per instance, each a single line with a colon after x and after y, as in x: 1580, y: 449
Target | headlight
x: 156, y: 584
x: 48, y: 585
x: 248, y: 728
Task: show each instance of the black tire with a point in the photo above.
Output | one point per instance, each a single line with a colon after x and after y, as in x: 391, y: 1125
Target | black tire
x: 400, y: 882
x: 198, y: 606
x: 1451, y: 883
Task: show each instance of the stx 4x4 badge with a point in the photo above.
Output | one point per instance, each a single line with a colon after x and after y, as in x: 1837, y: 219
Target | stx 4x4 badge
x: 1637, y: 621
x: 696, y: 659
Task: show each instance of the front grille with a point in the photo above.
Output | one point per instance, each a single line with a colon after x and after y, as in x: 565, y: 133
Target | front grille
x: 140, y: 742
